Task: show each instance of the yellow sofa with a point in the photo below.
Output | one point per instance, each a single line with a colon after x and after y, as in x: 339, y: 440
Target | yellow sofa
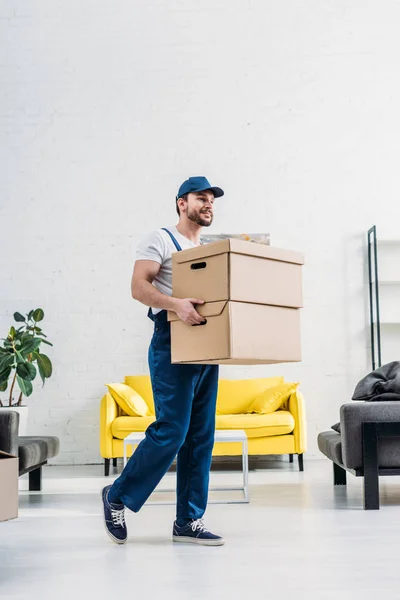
x: 279, y: 432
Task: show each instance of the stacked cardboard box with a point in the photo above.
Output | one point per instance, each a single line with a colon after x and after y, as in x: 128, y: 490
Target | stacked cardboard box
x: 252, y: 295
x: 8, y: 486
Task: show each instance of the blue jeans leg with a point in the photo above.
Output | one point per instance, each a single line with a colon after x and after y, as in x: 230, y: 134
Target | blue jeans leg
x: 174, y: 389
x: 194, y: 458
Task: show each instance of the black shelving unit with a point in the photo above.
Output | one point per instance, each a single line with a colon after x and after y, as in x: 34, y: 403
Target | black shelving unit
x: 374, y: 314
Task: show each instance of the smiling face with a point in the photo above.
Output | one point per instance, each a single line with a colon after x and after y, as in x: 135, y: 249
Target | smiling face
x: 198, y: 207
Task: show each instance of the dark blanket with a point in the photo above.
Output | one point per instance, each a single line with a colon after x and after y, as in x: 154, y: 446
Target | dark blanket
x: 381, y: 385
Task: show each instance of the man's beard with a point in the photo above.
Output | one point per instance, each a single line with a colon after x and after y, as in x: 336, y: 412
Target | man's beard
x: 196, y: 217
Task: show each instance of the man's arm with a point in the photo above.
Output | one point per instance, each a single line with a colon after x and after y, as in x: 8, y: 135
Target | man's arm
x: 144, y: 273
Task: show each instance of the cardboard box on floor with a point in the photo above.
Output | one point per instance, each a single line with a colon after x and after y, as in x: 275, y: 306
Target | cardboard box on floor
x: 8, y: 486
x: 239, y: 271
x: 252, y: 294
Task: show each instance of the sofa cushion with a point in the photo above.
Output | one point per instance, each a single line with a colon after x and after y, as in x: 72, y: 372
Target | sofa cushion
x: 280, y: 422
x: 234, y: 396
x: 34, y: 450
x: 272, y: 398
x: 142, y: 384
x: 128, y: 399
x: 330, y: 444
x: 123, y: 426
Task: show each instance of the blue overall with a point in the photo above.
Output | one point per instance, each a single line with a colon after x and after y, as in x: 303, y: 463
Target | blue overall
x: 184, y: 400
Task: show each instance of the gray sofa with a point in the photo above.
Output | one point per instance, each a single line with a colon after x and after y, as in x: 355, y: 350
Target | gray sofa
x: 368, y: 445
x: 33, y: 451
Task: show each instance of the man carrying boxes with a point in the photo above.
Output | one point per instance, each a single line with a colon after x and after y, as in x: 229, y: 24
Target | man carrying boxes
x: 184, y: 394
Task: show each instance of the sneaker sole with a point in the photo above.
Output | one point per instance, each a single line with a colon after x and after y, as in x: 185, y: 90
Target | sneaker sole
x: 200, y: 542
x: 110, y: 535
x: 114, y: 539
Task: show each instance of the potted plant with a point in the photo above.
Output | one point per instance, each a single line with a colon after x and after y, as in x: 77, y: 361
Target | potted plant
x: 21, y: 360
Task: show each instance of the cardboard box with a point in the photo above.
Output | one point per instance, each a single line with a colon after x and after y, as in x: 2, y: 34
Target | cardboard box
x: 237, y: 333
x: 239, y: 271
x: 8, y: 486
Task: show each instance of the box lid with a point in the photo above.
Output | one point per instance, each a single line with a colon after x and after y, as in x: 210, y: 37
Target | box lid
x: 210, y: 309
x: 6, y: 455
x: 238, y: 247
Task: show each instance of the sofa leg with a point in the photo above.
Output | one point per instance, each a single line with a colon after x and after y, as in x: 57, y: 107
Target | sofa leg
x: 301, y: 463
x: 106, y: 467
x: 339, y: 475
x: 371, y: 467
x: 290, y: 458
x: 114, y: 462
x: 35, y: 480
x: 371, y: 492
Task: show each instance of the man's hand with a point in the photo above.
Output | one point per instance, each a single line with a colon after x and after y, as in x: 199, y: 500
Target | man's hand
x: 186, y: 311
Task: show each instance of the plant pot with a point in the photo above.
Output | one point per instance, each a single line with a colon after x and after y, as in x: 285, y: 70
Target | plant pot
x: 23, y: 417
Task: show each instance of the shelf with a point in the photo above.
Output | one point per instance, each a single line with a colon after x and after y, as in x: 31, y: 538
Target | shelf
x: 385, y: 294
x: 387, y: 282
x: 388, y: 242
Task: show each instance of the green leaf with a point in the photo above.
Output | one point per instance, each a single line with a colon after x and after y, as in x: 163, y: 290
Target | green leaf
x: 5, y: 374
x: 38, y: 315
x: 19, y: 318
x: 25, y: 386
x: 6, y: 360
x: 30, y: 314
x: 35, y: 356
x: 12, y: 332
x: 30, y: 345
x: 45, y: 366
x: 3, y: 386
x: 48, y: 343
x: 26, y: 371
x: 20, y: 358
x: 37, y: 331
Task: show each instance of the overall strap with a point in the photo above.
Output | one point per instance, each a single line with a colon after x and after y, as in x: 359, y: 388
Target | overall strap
x: 175, y: 241
x: 178, y: 247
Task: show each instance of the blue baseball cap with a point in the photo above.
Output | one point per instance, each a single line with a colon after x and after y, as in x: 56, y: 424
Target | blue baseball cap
x: 198, y: 184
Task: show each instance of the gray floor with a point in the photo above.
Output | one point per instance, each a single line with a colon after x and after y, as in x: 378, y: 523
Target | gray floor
x: 298, y: 538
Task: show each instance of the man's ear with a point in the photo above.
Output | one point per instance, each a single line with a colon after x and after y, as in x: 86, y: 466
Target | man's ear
x: 182, y: 204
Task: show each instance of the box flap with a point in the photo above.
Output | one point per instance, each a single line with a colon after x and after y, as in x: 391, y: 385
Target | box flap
x: 238, y: 247
x: 201, y: 251
x: 6, y: 455
x: 254, y: 249
x: 210, y: 309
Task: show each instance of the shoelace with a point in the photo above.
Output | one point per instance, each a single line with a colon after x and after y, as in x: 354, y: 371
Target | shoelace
x: 118, y: 517
x: 198, y: 525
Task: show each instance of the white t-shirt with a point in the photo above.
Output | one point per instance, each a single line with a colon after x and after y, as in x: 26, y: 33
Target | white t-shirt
x: 159, y: 247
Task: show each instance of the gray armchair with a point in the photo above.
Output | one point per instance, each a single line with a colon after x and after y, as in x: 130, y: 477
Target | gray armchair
x: 33, y: 451
x: 366, y: 445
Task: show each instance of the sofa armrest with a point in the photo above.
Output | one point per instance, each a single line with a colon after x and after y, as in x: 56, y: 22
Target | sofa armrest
x: 352, y: 415
x: 297, y: 408
x: 108, y: 412
x: 9, y: 423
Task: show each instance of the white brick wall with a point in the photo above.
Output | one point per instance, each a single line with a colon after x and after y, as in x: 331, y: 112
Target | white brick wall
x: 106, y: 107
